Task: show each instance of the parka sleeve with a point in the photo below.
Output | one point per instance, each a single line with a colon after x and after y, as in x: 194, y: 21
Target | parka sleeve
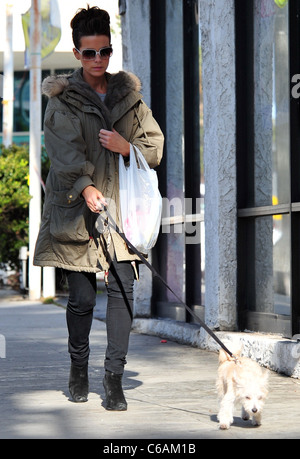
x: 66, y: 149
x: 147, y: 135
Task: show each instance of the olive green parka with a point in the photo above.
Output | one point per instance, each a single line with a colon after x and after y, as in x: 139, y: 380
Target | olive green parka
x: 69, y: 235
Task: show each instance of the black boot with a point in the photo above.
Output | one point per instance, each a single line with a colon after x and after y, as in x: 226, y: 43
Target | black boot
x: 79, y: 384
x: 115, y: 400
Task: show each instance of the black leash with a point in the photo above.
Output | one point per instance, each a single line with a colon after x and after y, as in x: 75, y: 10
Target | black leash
x: 113, y: 224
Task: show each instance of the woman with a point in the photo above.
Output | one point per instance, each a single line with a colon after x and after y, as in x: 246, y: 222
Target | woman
x: 91, y: 119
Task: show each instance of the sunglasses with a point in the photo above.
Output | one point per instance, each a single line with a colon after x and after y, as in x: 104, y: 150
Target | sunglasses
x: 90, y: 54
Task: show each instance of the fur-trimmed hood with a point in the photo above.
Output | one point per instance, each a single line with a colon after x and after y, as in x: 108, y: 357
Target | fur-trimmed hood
x: 119, y: 85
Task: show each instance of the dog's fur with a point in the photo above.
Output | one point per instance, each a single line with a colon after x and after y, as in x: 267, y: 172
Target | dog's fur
x: 240, y: 381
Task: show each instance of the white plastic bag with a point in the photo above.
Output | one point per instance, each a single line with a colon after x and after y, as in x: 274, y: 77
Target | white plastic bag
x: 140, y: 201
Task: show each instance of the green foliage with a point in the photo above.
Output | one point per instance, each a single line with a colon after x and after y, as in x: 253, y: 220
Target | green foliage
x: 14, y: 202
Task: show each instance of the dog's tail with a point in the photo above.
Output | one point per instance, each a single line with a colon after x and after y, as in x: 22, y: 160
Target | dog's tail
x: 235, y: 348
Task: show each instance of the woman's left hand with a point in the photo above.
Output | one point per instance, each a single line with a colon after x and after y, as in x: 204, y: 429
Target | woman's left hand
x: 113, y: 141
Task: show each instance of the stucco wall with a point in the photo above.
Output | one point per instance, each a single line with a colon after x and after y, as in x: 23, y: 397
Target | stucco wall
x: 136, y: 43
x: 136, y: 59
x: 218, y: 54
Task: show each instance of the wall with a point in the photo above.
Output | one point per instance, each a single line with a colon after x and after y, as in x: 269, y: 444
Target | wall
x: 218, y: 54
x: 136, y: 42
x: 136, y: 58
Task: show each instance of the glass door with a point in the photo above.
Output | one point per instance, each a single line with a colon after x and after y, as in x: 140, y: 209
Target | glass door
x: 266, y: 146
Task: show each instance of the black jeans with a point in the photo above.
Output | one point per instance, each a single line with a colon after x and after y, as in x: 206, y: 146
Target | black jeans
x: 82, y: 299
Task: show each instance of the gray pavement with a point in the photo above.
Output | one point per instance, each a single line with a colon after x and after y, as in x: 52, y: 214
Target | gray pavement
x: 170, y: 387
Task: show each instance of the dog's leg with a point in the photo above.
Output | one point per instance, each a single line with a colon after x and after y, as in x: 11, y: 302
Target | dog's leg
x: 256, y: 419
x: 225, y: 415
x: 245, y: 416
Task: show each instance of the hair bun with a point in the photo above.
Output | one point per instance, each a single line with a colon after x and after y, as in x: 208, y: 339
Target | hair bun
x: 90, y: 21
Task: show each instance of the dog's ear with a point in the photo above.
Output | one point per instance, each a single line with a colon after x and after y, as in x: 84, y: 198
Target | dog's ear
x: 223, y: 356
x: 235, y: 348
x: 236, y: 379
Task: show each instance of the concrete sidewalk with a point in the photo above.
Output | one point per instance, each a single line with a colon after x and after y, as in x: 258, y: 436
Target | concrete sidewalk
x: 169, y: 387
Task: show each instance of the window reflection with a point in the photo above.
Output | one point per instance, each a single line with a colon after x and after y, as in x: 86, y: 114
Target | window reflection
x: 272, y: 264
x: 271, y: 109
x: 271, y: 160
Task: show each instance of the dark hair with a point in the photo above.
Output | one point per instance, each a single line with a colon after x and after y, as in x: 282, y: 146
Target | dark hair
x: 90, y: 21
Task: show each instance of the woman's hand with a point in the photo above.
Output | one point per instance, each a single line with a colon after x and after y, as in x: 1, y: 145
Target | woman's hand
x: 113, y: 141
x: 94, y: 199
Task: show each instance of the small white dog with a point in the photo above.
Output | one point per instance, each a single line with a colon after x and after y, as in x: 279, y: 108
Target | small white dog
x: 240, y: 381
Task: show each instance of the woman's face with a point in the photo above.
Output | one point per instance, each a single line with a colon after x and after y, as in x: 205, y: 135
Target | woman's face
x: 97, y: 67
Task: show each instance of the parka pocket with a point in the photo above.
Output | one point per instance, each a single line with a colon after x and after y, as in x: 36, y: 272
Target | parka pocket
x: 68, y: 221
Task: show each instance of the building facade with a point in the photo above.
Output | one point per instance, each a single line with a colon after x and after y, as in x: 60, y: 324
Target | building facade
x: 224, y: 86
x: 222, y: 78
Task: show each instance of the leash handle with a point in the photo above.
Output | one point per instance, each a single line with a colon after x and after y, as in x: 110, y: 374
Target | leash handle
x: 113, y: 224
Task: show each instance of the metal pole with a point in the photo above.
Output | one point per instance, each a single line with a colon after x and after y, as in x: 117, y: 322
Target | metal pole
x: 35, y: 145
x: 8, y: 83
x: 49, y: 290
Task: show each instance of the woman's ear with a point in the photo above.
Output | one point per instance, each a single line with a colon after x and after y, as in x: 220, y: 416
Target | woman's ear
x: 76, y: 54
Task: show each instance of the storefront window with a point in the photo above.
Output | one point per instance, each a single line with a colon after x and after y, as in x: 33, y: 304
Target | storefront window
x: 282, y: 264
x: 267, y: 215
x: 271, y: 104
x: 271, y: 155
x: 272, y: 265
x: 22, y: 101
